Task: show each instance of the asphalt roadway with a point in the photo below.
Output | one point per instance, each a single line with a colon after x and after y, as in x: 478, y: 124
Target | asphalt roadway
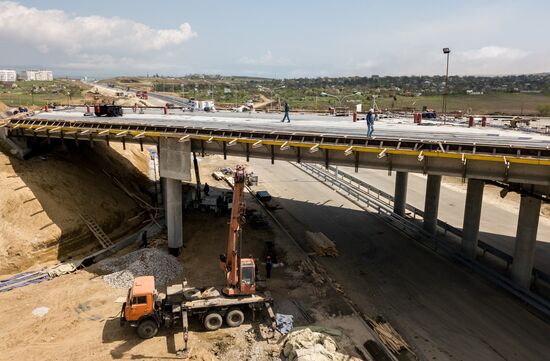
x: 443, y: 310
x: 395, y: 128
x: 499, y: 218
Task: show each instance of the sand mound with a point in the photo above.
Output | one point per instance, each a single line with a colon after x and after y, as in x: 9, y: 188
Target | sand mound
x: 41, y: 200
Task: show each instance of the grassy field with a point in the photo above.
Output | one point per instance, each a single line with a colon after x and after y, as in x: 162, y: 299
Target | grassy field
x: 243, y: 89
x: 45, y: 92
x: 492, y: 103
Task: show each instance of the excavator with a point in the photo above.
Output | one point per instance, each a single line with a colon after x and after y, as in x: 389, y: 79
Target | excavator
x: 147, y: 310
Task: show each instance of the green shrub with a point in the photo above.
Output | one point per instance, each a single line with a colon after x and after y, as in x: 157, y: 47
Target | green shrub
x: 544, y: 109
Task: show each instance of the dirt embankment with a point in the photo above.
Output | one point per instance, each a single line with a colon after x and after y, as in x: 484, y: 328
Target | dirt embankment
x: 3, y: 107
x: 41, y: 200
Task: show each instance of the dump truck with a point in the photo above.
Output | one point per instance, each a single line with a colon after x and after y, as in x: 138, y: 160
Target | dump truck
x: 147, y: 310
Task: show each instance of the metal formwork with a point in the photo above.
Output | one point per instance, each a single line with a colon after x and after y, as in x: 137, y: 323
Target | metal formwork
x: 507, y: 163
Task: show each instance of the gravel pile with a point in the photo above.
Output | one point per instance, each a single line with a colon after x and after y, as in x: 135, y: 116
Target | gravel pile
x: 143, y: 262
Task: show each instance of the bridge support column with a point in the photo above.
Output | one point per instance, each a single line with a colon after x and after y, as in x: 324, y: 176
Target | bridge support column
x: 431, y: 204
x: 526, y: 238
x: 174, y: 216
x: 400, y: 197
x: 175, y: 167
x: 472, y: 217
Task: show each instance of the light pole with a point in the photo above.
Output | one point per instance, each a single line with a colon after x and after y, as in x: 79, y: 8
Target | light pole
x: 271, y: 95
x: 211, y: 91
x: 339, y: 98
x: 446, y: 51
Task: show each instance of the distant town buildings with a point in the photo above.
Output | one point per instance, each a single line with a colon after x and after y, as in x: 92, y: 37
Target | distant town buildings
x: 44, y: 75
x: 8, y: 75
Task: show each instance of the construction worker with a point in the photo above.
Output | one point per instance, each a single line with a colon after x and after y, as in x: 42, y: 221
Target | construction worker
x: 287, y: 109
x: 144, y: 242
x: 370, y: 122
x: 268, y: 266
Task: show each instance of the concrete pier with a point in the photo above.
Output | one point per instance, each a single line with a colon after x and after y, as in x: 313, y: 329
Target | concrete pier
x: 431, y: 204
x: 526, y: 239
x: 175, y: 167
x: 174, y: 215
x: 400, y: 197
x: 472, y: 217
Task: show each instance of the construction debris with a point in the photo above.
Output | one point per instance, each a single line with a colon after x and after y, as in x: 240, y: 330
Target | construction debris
x: 321, y: 244
x: 307, y: 345
x: 143, y: 262
x: 284, y: 322
x: 389, y: 336
x: 63, y: 268
x: 22, y: 280
x: 307, y: 267
x: 40, y: 311
x: 305, y: 313
x: 218, y: 175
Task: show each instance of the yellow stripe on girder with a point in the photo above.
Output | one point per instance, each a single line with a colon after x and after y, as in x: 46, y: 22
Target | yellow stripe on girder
x: 344, y: 147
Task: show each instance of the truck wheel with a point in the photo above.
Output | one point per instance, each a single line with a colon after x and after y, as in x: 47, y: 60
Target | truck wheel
x: 212, y: 321
x: 147, y: 329
x: 234, y: 317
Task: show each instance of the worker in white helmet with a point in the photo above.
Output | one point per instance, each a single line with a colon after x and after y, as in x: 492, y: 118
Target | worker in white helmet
x: 370, y: 122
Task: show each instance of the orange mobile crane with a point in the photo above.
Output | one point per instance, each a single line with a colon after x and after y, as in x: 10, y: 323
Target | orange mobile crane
x: 240, y: 272
x: 147, y: 309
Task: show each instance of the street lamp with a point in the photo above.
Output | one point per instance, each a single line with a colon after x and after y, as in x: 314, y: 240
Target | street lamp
x: 271, y: 95
x: 211, y: 91
x: 446, y: 51
x: 339, y: 98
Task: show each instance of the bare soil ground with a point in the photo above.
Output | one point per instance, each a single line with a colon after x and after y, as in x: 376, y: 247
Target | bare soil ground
x: 82, y: 323
x: 42, y: 199
x: 3, y: 107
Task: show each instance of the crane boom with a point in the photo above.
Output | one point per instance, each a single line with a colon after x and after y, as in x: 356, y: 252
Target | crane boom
x: 240, y: 272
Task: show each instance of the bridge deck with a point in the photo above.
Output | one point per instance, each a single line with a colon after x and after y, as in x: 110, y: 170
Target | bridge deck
x: 493, y: 154
x: 394, y: 128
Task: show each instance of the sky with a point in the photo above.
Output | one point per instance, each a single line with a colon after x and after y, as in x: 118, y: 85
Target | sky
x: 281, y: 39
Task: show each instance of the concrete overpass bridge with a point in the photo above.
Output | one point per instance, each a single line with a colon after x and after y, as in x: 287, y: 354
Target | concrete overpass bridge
x: 520, y: 161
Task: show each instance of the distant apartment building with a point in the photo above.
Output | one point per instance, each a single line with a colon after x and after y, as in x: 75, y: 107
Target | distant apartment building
x: 8, y: 75
x: 37, y: 75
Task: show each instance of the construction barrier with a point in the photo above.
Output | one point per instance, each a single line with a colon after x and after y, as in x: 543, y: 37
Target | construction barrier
x: 418, y: 118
